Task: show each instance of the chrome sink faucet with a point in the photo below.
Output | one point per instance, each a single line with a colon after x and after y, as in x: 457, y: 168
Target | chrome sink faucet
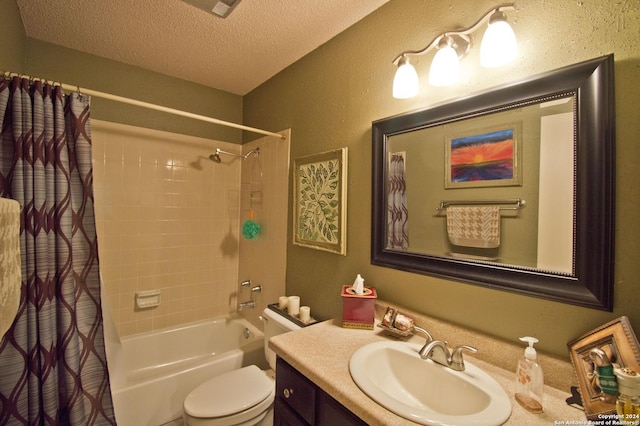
x: 438, y: 351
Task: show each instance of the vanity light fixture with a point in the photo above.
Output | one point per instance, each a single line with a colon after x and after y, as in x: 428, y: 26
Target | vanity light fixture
x: 405, y: 83
x: 445, y: 68
x: 498, y: 47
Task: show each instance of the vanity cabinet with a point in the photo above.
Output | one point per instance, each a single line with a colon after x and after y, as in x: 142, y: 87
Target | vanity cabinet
x: 299, y: 402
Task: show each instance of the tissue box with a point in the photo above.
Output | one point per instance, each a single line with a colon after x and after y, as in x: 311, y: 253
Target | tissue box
x: 358, y: 310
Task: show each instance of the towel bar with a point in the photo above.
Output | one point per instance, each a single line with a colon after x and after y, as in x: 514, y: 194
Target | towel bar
x: 507, y: 204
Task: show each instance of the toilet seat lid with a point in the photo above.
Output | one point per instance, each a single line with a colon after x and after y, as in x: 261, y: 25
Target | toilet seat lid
x: 229, y: 393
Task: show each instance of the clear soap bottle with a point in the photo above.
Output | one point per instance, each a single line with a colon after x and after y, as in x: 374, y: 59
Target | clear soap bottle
x: 529, y: 379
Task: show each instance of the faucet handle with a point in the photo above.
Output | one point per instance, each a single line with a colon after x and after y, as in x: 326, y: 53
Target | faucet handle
x: 245, y: 283
x: 457, y: 363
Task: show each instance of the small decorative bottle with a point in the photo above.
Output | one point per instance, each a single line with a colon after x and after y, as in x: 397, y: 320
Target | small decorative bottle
x: 628, y: 403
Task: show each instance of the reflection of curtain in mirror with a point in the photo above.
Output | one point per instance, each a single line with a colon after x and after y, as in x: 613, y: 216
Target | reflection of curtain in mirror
x: 397, y: 213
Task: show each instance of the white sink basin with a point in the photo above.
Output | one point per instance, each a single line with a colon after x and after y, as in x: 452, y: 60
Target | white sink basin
x: 393, y: 374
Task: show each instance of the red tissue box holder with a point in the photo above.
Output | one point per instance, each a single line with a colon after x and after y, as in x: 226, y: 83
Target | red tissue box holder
x: 358, y: 310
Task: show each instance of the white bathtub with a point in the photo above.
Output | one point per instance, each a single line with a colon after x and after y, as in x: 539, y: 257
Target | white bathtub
x: 151, y: 373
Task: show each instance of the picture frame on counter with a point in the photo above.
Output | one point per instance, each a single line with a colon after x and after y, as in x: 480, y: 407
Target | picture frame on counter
x: 617, y: 341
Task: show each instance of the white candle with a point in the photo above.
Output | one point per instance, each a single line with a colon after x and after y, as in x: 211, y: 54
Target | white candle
x: 283, y: 301
x: 305, y: 314
x: 294, y: 305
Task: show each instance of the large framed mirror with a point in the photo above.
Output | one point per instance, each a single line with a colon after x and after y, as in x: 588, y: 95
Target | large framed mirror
x: 512, y: 188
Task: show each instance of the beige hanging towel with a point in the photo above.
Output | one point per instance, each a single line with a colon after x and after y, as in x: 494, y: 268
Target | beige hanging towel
x: 10, y: 269
x: 474, y: 226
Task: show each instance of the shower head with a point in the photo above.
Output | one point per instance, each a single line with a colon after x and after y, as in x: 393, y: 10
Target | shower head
x: 216, y: 157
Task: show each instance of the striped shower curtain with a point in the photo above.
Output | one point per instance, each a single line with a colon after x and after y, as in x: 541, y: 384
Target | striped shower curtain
x: 53, y: 368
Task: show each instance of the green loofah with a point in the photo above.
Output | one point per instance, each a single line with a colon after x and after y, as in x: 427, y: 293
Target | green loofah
x: 250, y: 230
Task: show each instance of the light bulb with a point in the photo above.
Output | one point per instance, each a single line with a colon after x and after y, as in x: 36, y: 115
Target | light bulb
x: 405, y: 82
x: 445, y: 68
x: 499, y: 45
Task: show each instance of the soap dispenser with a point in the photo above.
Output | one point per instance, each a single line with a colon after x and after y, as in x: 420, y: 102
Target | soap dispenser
x: 529, y: 379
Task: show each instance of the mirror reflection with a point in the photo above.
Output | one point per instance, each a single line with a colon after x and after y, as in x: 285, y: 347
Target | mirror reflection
x: 511, y: 188
x: 496, y: 187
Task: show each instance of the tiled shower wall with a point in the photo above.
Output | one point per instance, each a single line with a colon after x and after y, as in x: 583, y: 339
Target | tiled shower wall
x: 167, y: 218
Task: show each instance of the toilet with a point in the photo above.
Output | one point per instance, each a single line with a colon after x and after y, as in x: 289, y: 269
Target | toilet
x: 242, y: 397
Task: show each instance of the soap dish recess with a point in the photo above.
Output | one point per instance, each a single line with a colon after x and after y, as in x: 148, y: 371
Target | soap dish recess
x: 147, y: 299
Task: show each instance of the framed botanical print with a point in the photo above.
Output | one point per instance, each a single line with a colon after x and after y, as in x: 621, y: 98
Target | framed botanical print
x: 320, y: 201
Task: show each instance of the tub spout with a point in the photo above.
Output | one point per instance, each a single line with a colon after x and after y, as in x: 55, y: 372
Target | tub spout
x: 248, y: 304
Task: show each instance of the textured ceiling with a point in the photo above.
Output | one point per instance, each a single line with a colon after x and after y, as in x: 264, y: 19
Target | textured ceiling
x: 256, y: 41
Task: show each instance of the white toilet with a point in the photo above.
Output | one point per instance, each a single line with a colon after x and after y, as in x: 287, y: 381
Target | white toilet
x: 241, y: 397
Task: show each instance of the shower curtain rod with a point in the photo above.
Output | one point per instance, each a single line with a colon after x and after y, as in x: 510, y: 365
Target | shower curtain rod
x: 155, y: 107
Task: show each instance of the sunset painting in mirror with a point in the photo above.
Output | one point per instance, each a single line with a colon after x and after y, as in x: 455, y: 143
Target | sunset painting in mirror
x: 483, y: 159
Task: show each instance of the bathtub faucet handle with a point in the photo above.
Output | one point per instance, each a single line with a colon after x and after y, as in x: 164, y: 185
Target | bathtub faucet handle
x: 245, y: 283
x: 256, y: 289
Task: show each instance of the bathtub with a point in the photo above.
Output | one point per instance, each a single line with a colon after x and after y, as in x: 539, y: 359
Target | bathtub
x: 152, y: 373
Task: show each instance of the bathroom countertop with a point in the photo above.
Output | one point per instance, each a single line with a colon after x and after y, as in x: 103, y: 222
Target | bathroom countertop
x: 322, y: 351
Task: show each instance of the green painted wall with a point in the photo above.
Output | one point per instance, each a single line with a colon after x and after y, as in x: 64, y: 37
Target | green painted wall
x: 330, y: 97
x: 93, y: 72
x: 12, y: 37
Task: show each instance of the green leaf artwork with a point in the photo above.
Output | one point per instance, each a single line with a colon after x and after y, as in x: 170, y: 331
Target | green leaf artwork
x: 320, y: 191
x: 318, y: 203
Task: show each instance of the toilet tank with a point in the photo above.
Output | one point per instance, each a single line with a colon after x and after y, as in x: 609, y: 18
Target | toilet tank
x: 274, y: 324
